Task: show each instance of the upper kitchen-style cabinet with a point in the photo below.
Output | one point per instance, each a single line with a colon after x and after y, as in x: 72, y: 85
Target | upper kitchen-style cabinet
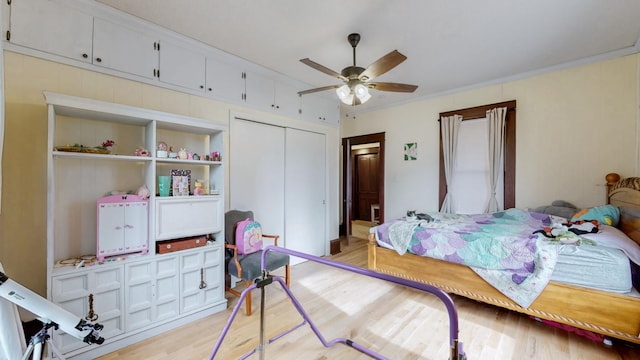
x: 62, y: 30
x: 181, y: 65
x: 265, y: 93
x: 224, y: 80
x: 319, y: 109
x: 124, y: 49
x: 52, y: 28
x: 191, y: 68
x: 91, y: 35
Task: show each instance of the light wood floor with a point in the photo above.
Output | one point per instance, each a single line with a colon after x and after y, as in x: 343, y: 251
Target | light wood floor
x: 397, y: 322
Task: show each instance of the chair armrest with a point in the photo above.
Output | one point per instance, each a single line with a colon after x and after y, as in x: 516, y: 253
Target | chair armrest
x: 235, y: 257
x: 274, y: 237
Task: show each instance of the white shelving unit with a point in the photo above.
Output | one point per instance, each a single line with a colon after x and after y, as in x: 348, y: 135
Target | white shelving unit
x: 134, y: 295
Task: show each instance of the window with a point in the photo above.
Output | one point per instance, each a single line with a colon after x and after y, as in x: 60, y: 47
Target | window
x: 509, y: 153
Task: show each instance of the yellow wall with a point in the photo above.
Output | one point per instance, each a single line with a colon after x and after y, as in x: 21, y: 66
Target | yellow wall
x: 23, y: 218
x: 573, y: 127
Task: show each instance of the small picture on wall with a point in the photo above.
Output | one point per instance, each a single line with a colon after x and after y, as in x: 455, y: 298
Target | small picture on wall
x: 411, y: 151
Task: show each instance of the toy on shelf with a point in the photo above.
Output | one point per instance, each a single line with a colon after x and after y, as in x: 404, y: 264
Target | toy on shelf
x: 142, y: 152
x: 198, y: 190
x: 161, y: 151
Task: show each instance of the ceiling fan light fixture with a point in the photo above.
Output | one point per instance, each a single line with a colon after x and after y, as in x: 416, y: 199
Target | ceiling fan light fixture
x: 345, y: 95
x: 355, y: 91
x: 343, y: 91
x: 362, y: 92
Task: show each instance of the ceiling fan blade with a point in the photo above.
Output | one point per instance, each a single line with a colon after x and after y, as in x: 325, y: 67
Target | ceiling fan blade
x: 318, y: 89
x: 322, y: 68
x: 383, y: 65
x: 395, y: 87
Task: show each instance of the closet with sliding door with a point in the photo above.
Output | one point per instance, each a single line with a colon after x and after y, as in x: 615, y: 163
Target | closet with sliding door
x: 280, y: 173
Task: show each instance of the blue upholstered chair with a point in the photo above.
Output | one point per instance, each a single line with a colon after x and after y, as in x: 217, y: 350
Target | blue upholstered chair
x: 248, y: 267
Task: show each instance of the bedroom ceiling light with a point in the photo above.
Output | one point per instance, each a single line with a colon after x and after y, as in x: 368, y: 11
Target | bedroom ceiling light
x: 355, y: 90
x: 359, y: 94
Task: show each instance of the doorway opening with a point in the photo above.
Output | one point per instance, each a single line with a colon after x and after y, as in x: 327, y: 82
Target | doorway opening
x: 362, y: 181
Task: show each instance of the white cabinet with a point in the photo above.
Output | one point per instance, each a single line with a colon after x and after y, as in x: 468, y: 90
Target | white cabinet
x: 317, y: 108
x: 181, y: 66
x: 267, y: 94
x: 201, y: 278
x: 224, y: 80
x: 124, y: 49
x: 134, y: 293
x: 286, y: 99
x: 95, y: 295
x: 177, y: 217
x: 117, y: 43
x: 50, y: 27
x: 258, y: 90
x: 151, y: 289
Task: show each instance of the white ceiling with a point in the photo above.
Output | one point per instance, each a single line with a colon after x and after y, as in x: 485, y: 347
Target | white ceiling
x: 450, y: 44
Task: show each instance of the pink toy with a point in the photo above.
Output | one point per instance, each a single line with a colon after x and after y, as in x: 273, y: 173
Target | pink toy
x: 584, y: 333
x: 142, y: 152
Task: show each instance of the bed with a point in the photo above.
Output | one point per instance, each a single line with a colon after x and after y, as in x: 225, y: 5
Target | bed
x: 610, y: 314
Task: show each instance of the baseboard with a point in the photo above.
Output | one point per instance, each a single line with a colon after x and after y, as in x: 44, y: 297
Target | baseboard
x: 334, y: 246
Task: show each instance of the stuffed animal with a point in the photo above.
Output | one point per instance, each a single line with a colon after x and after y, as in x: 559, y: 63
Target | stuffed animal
x: 143, y: 192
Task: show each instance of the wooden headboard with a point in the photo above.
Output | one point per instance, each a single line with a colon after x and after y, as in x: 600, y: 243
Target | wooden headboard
x: 625, y: 194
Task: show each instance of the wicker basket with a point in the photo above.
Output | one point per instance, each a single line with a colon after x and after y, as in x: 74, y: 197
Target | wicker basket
x: 83, y: 149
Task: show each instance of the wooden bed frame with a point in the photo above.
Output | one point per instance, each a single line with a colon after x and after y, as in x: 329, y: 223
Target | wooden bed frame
x: 609, y: 314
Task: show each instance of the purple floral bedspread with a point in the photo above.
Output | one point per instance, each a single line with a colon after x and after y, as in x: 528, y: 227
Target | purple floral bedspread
x: 501, y: 247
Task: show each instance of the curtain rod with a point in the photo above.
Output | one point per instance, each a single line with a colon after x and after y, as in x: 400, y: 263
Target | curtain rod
x: 508, y: 109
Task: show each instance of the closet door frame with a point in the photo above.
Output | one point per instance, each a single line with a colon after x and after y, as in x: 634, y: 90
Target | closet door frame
x: 238, y: 201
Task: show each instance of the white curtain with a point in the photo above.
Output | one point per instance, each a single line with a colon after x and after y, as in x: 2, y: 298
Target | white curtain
x: 449, y: 126
x: 495, y: 126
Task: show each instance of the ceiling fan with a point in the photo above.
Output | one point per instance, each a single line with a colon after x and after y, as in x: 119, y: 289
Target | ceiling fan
x: 355, y: 90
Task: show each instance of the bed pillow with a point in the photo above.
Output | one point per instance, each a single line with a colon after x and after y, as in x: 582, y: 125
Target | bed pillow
x: 606, y: 214
x: 614, y: 238
x: 559, y: 208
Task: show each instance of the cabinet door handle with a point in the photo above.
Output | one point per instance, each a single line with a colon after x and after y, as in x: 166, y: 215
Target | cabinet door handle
x: 91, y: 316
x: 98, y: 60
x: 203, y: 284
x: 85, y: 56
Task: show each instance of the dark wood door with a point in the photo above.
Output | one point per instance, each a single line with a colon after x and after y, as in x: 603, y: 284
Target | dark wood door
x: 348, y: 175
x: 366, y: 181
